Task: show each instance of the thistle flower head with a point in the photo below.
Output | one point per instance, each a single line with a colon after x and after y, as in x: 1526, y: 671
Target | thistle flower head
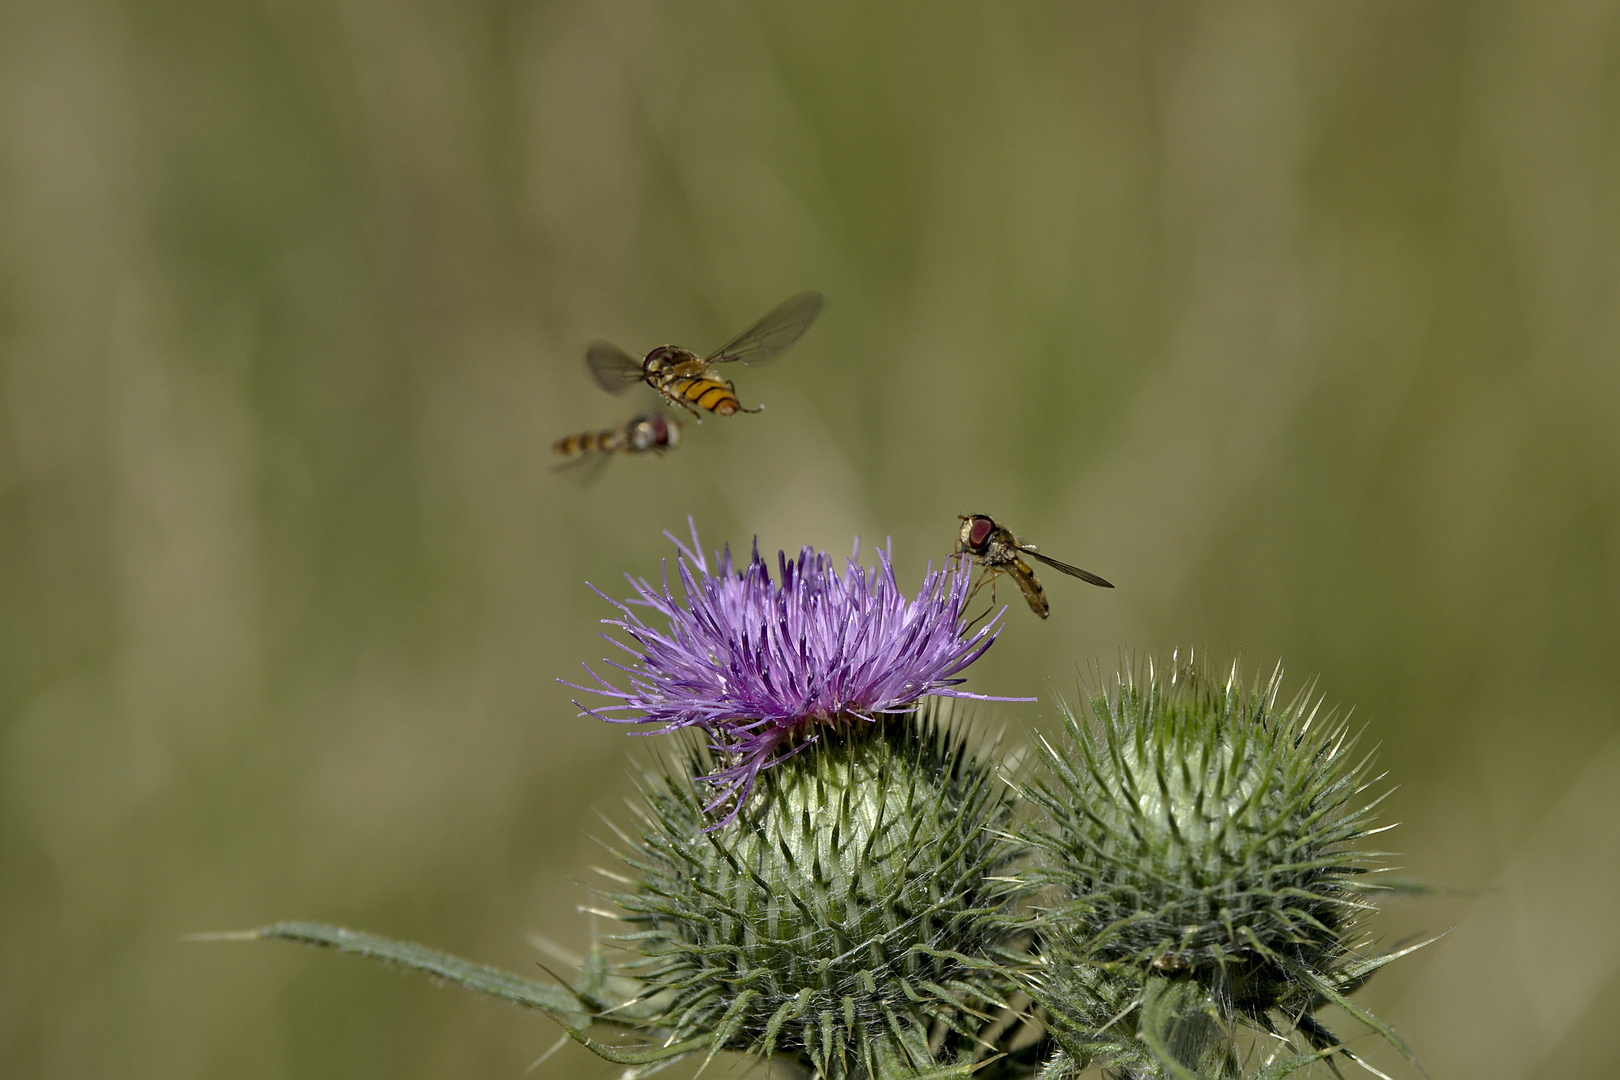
x: 1199, y: 858
x: 844, y: 924
x: 764, y: 666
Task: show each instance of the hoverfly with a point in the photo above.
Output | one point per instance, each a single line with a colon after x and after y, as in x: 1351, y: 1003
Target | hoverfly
x: 997, y: 550
x: 653, y: 433
x: 685, y: 379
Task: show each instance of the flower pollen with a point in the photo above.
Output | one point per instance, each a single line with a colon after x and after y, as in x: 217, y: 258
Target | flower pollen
x: 765, y: 668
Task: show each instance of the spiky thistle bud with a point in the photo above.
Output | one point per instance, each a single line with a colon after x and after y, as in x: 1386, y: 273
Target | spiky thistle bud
x: 1199, y: 874
x: 841, y: 919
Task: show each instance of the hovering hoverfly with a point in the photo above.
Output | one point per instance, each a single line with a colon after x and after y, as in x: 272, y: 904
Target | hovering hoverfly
x: 653, y: 433
x: 996, y: 549
x: 685, y: 379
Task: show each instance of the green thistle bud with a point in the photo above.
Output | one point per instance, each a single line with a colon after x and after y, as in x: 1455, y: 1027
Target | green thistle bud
x: 1198, y: 874
x: 840, y: 920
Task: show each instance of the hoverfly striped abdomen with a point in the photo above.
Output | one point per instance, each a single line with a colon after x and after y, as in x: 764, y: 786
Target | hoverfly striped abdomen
x: 708, y: 393
x: 589, y: 442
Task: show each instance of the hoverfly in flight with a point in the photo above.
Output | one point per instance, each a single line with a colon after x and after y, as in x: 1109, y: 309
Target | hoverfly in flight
x: 650, y: 434
x: 687, y: 380
x: 653, y: 433
x: 996, y: 549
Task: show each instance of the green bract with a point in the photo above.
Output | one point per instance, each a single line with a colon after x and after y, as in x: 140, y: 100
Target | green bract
x: 841, y: 919
x: 1197, y: 868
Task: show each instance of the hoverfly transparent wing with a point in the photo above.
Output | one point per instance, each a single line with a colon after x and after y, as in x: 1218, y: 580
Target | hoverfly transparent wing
x: 586, y: 469
x: 1072, y: 571
x: 614, y: 369
x: 782, y: 326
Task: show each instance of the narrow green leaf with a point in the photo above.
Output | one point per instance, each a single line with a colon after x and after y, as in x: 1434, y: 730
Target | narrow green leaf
x: 555, y: 1001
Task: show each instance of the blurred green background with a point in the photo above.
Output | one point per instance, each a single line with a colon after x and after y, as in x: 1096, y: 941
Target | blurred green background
x: 1298, y: 321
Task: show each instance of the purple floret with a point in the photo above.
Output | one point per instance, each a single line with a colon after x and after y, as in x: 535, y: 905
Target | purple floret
x: 765, y: 668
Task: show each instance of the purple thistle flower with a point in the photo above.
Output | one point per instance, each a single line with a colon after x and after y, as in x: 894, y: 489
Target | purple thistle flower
x: 764, y: 668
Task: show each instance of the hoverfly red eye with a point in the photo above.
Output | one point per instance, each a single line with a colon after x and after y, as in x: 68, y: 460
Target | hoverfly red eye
x: 980, y: 530
x: 660, y: 428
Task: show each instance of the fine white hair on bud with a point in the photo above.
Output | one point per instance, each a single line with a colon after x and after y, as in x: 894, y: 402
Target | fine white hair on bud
x: 842, y: 921
x: 1197, y: 872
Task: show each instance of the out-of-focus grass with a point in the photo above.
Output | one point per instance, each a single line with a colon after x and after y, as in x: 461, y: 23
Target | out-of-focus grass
x: 1297, y: 322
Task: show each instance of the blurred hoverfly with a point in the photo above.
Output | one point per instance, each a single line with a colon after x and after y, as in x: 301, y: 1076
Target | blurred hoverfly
x: 685, y: 379
x: 996, y: 549
x: 653, y: 433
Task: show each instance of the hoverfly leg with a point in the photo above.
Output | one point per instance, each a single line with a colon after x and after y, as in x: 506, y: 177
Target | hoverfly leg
x: 968, y: 599
x: 987, y: 575
x: 968, y: 628
x: 677, y: 399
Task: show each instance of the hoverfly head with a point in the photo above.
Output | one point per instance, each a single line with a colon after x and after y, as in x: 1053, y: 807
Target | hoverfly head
x: 658, y: 360
x: 977, y: 530
x: 665, y: 432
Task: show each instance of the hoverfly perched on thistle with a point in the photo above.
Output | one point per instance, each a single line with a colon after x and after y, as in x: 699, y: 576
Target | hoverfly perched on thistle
x: 995, y: 548
x: 685, y: 379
